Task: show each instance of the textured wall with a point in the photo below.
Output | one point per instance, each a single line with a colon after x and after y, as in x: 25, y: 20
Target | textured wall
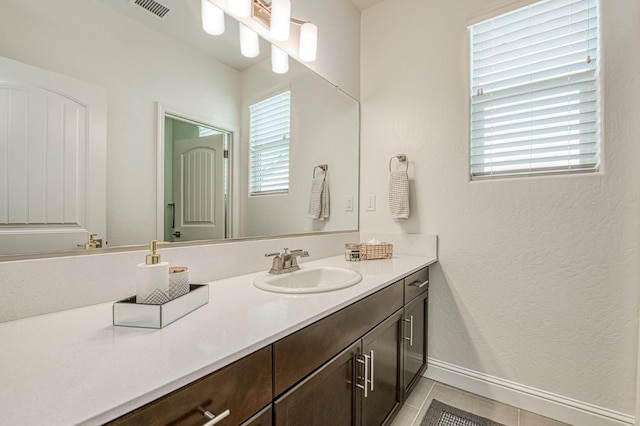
x: 537, y: 277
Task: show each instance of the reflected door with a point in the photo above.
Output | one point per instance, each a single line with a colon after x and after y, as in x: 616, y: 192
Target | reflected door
x: 198, y: 178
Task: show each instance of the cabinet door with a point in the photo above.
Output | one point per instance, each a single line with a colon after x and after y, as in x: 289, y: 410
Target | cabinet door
x: 262, y: 418
x: 326, y: 397
x: 381, y: 348
x: 415, y: 341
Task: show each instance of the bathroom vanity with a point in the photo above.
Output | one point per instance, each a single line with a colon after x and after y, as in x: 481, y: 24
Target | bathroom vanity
x: 348, y: 356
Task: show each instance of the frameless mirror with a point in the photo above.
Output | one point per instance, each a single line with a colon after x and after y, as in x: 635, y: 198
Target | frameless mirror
x: 164, y: 76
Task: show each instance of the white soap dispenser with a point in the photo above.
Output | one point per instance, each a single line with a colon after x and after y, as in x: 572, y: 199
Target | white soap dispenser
x: 152, y: 278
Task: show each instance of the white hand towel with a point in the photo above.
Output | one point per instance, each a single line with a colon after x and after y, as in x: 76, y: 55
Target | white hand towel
x: 399, y: 195
x: 319, y: 199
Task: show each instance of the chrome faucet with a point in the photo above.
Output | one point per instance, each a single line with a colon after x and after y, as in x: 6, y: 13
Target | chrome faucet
x: 287, y: 261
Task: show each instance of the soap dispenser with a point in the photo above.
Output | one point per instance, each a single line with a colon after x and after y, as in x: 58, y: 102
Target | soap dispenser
x: 152, y: 278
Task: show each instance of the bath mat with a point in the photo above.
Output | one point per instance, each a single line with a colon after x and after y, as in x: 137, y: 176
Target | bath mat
x: 440, y: 414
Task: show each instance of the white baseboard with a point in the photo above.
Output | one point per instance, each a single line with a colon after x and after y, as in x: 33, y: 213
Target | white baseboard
x: 535, y: 400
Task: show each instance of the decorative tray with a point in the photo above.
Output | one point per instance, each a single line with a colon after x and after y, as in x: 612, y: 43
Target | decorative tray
x: 128, y: 313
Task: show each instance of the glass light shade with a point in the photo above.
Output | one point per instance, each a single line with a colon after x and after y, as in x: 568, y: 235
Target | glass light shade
x: 308, y: 42
x: 240, y: 8
x: 279, y: 60
x: 249, y: 43
x: 280, y: 19
x: 212, y: 18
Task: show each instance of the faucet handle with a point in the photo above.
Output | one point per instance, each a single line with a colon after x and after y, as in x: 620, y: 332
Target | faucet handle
x: 271, y: 254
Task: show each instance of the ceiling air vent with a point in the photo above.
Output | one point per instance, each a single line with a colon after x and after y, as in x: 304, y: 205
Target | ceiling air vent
x: 153, y: 6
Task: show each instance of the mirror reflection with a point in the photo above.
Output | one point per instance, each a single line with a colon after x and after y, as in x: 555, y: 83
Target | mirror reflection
x: 162, y: 81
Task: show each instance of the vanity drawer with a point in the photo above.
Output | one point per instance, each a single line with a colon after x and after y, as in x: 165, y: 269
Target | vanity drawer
x: 299, y: 354
x: 243, y: 388
x: 416, y: 284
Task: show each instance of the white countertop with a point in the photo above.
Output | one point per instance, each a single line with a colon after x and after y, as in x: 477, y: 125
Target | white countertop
x: 75, y: 367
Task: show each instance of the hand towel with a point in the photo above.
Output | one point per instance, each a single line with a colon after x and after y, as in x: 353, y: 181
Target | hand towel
x: 319, y: 199
x: 399, y: 195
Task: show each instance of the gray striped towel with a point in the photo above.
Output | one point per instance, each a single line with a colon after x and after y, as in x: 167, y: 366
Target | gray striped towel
x: 399, y: 195
x: 319, y: 199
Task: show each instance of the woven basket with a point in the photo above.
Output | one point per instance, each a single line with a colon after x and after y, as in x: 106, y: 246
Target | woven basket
x: 370, y: 251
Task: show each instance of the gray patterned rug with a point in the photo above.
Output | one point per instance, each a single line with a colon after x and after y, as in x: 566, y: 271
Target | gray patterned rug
x: 440, y: 414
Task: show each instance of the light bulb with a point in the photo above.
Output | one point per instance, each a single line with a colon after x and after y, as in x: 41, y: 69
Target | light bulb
x: 249, y: 43
x: 212, y: 18
x: 240, y: 8
x: 279, y: 60
x: 308, y: 42
x: 280, y: 19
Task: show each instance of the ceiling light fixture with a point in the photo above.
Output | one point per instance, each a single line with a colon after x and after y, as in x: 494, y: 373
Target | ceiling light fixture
x: 212, y: 18
x: 273, y: 15
x: 276, y: 17
x: 249, y: 42
x: 279, y: 60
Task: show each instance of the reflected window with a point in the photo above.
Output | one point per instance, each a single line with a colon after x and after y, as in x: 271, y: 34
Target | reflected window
x: 270, y: 128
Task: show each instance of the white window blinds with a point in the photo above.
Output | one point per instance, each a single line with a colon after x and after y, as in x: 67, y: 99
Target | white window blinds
x: 270, y: 122
x: 534, y: 90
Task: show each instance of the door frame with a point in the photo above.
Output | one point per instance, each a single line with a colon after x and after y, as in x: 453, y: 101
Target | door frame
x: 164, y: 111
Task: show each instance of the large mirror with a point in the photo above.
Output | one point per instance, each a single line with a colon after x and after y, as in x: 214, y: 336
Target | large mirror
x: 168, y: 83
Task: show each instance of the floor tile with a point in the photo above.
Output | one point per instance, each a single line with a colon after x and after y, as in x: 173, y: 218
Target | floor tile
x: 420, y: 392
x: 406, y: 416
x: 528, y: 418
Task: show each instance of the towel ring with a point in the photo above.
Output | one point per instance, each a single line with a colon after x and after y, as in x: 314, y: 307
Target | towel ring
x: 322, y: 167
x: 402, y: 158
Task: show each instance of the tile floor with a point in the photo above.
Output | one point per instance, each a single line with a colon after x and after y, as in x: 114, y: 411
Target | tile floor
x: 416, y: 406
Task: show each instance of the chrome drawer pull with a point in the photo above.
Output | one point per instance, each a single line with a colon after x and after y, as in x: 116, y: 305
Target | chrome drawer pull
x: 371, y: 381
x: 410, y: 338
x: 215, y: 419
x: 365, y: 380
x: 419, y: 284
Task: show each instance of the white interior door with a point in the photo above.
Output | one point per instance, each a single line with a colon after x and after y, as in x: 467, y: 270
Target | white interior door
x: 52, y: 160
x: 198, y: 181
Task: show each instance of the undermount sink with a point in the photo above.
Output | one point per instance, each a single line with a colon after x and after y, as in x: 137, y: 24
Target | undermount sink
x: 308, y: 280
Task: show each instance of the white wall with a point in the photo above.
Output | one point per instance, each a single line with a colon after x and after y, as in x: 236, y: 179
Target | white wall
x: 537, y: 277
x: 138, y: 67
x: 324, y: 126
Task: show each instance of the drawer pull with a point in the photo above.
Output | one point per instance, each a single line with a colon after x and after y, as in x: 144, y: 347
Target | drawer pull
x: 365, y: 379
x: 410, y: 338
x: 213, y: 418
x: 419, y: 284
x: 371, y: 381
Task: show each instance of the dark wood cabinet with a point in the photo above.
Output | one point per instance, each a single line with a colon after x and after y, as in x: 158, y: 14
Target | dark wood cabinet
x: 354, y: 367
x: 414, y: 337
x: 360, y: 386
x: 243, y: 388
x: 326, y: 397
x: 263, y: 418
x: 381, y: 348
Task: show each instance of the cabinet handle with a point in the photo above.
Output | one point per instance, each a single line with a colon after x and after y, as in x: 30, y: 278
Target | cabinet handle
x: 419, y: 284
x: 365, y: 380
x: 371, y: 381
x: 410, y: 338
x: 213, y: 418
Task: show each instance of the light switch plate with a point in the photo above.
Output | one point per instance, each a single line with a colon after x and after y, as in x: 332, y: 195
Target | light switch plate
x: 371, y: 203
x: 348, y: 204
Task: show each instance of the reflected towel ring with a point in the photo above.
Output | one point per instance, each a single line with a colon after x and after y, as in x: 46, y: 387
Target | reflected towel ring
x: 402, y: 158
x: 322, y: 167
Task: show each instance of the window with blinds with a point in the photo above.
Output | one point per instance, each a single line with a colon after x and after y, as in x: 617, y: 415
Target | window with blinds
x: 534, y: 91
x: 270, y: 123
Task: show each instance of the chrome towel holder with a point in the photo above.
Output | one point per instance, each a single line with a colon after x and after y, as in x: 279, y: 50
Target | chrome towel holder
x: 402, y: 158
x: 322, y: 167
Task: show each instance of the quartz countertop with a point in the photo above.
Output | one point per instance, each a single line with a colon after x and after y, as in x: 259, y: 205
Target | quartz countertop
x: 75, y: 367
